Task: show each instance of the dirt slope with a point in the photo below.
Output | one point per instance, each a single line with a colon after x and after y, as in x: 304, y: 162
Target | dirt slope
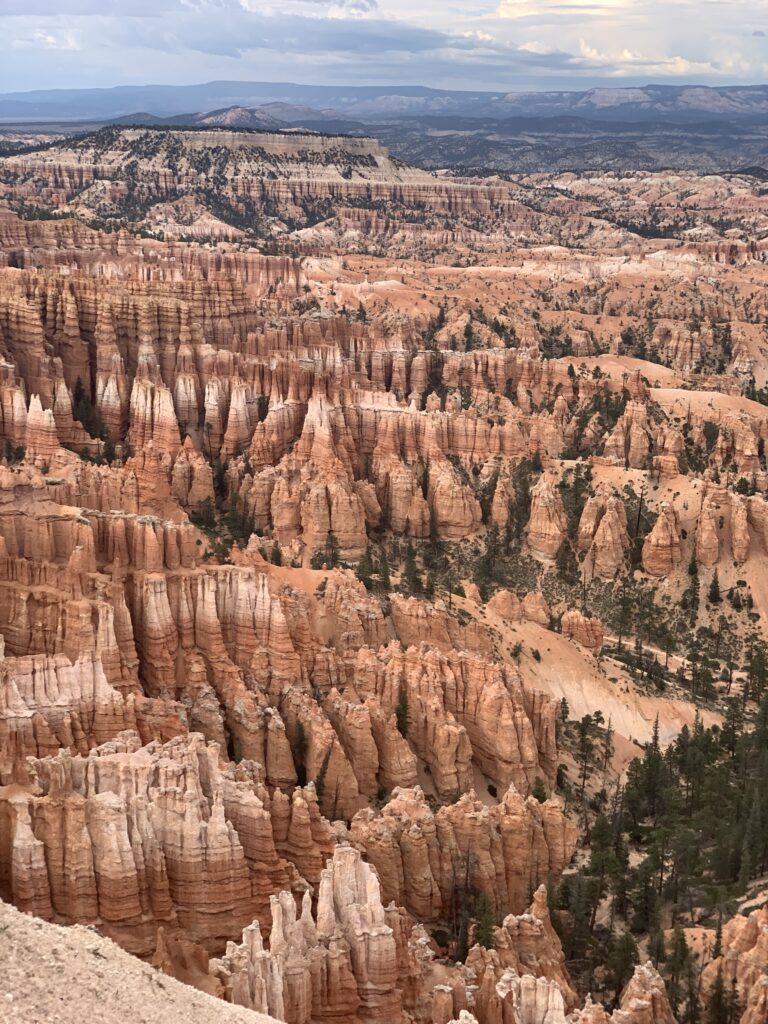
x: 53, y: 975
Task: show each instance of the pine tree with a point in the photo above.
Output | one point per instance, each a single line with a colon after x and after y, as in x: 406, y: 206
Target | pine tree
x: 401, y: 713
x: 410, y: 571
x: 717, y: 950
x: 677, y: 964
x: 714, y: 590
x: 364, y: 571
x: 623, y: 957
x: 484, y: 922
x: 585, y: 749
x: 331, y: 550
x: 751, y: 847
x: 656, y: 948
x: 717, y: 1008
x: 602, y: 862
x: 320, y: 777
x: 384, y: 576
x: 538, y: 790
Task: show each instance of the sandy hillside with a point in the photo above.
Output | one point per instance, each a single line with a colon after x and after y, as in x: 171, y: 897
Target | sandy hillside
x: 53, y: 975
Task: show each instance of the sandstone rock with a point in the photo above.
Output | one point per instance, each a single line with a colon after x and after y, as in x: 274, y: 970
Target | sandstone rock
x: 707, y: 539
x: 535, y: 609
x: 603, y: 535
x: 585, y: 631
x: 342, y: 962
x: 548, y: 523
x: 418, y: 853
x: 745, y: 947
x: 661, y: 551
x: 739, y: 530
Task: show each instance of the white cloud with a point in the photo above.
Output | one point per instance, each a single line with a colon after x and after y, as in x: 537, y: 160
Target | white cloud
x: 461, y: 43
x: 562, y: 8
x: 40, y: 39
x: 630, y: 62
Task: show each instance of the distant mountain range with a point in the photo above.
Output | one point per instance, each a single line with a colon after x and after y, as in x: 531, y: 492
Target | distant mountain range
x: 373, y: 103
x: 654, y: 128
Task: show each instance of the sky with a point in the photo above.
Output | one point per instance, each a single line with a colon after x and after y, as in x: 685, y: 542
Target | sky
x: 462, y: 44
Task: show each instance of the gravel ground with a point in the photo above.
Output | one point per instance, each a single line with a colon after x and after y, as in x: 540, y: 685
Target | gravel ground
x: 53, y: 975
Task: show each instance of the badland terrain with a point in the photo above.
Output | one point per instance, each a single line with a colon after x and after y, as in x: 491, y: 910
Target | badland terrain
x: 383, y: 587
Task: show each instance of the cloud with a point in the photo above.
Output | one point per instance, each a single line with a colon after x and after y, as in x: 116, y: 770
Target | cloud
x: 180, y: 8
x: 236, y: 31
x: 43, y: 40
x: 629, y: 62
x: 561, y: 8
x: 88, y: 8
x: 495, y: 44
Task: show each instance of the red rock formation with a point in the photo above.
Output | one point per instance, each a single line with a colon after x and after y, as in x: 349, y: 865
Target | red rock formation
x: 661, y: 550
x: 742, y: 964
x: 548, y: 524
x: 585, y: 631
x: 134, y: 837
x: 603, y: 536
x: 343, y: 962
x: 419, y: 854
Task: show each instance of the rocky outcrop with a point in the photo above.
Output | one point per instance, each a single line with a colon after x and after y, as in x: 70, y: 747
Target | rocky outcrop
x: 739, y: 530
x: 135, y: 837
x: 344, y: 961
x: 584, y: 630
x: 215, y: 674
x: 74, y: 974
x: 603, y: 536
x: 707, y: 538
x: 418, y: 853
x: 463, y: 709
x: 532, y: 608
x: 643, y: 1001
x: 548, y: 524
x: 742, y: 964
x: 661, y: 551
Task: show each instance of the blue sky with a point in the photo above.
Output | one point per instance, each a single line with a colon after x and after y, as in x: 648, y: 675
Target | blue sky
x: 494, y: 44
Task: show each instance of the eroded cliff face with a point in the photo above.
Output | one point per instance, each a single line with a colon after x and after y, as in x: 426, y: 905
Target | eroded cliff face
x: 178, y: 736
x: 352, y: 958
x: 742, y: 965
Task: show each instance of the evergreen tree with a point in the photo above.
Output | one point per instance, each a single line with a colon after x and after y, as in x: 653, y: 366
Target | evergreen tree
x: 717, y: 1008
x: 331, y: 550
x: 714, y: 590
x: 384, y: 576
x: 401, y: 712
x: 538, y: 790
x: 602, y: 862
x: 678, y: 961
x: 717, y: 949
x: 322, y: 773
x: 751, y: 847
x: 484, y: 922
x: 364, y: 571
x: 410, y: 571
x: 656, y: 948
x: 585, y: 749
x: 623, y: 957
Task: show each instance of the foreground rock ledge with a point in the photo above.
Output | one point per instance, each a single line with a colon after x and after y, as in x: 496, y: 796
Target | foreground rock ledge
x: 54, y: 975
